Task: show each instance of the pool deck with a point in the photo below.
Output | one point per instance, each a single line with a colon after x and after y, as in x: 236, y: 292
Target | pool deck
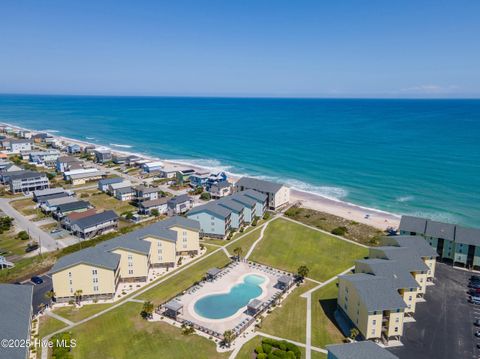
x: 230, y: 276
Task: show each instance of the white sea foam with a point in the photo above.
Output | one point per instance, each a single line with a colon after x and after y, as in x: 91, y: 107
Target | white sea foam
x: 90, y: 138
x: 405, y: 199
x: 330, y: 192
x: 49, y: 131
x: 207, y: 164
x: 120, y: 145
x: 436, y: 216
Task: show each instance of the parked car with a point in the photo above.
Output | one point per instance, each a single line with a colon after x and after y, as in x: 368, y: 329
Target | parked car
x: 474, y: 285
x: 36, y: 280
x: 31, y: 247
x: 475, y: 277
x: 55, y: 230
x: 477, y: 322
x: 473, y: 291
x: 474, y: 300
x: 477, y: 333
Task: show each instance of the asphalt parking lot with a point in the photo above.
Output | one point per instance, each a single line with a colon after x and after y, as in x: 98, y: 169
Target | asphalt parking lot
x: 39, y: 291
x: 444, y: 324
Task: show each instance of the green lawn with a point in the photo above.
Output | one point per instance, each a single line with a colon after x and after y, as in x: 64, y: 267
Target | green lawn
x: 10, y: 245
x: 104, y: 201
x: 184, y: 279
x: 122, y: 333
x: 49, y: 325
x: 289, y: 320
x: 24, y: 206
x: 245, y: 242
x: 287, y: 245
x: 324, y: 303
x: 76, y: 314
x: 217, y: 242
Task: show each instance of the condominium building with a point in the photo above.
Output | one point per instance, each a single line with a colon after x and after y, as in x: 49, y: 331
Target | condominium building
x: 28, y: 181
x: 373, y: 305
x: 278, y: 195
x: 456, y: 244
x: 358, y: 350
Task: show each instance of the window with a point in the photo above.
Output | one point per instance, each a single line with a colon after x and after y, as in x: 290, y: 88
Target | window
x: 95, y: 288
x: 159, y: 251
x: 95, y: 280
x: 70, y: 282
x: 397, y: 320
x: 130, y: 257
x: 70, y: 274
x: 373, y: 331
x: 160, y: 258
x: 374, y: 322
x: 130, y: 271
x: 159, y: 243
x: 410, y: 298
x: 94, y: 272
x: 130, y: 264
x: 396, y: 329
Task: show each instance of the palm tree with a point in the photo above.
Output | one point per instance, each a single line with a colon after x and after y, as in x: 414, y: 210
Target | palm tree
x: 354, y: 333
x: 303, y: 271
x: 238, y: 252
x: 228, y: 337
x: 78, y: 295
x: 147, y: 311
x: 50, y: 295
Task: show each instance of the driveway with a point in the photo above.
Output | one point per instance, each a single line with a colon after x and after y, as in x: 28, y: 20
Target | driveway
x: 444, y: 324
x: 39, y: 291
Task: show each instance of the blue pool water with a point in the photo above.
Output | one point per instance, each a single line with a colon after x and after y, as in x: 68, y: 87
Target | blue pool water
x: 218, y: 306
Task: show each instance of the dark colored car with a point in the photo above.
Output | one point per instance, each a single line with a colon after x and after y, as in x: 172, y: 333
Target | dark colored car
x: 31, y: 247
x: 477, y: 333
x: 473, y: 291
x: 36, y: 280
x: 475, y: 277
x: 477, y: 322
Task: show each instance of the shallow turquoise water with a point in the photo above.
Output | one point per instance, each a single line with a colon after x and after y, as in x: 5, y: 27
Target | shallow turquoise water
x: 417, y: 157
x: 218, y: 306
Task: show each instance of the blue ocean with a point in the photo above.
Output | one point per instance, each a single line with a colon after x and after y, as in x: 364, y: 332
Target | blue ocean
x: 418, y: 157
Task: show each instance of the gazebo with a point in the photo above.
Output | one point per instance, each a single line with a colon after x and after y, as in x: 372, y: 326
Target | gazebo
x: 173, y: 308
x: 212, y: 273
x: 285, y: 281
x: 254, y: 306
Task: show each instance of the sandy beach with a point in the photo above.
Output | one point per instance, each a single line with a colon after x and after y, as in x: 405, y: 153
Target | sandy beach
x: 376, y: 218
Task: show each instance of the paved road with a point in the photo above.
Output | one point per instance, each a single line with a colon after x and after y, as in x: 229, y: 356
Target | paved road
x: 444, y: 324
x: 45, y: 240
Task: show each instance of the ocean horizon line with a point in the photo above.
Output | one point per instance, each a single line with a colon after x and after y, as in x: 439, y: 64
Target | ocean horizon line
x: 425, y: 97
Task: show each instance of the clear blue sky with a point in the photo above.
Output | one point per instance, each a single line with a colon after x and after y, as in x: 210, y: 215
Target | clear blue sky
x: 241, y: 48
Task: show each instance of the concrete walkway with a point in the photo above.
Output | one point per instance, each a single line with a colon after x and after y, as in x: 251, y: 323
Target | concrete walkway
x: 259, y: 238
x: 56, y: 316
x: 145, y: 289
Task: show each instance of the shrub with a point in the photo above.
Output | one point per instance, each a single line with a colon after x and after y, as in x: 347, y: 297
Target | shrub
x: 154, y: 212
x: 205, y: 196
x: 262, y: 356
x: 267, y: 348
x: 23, y: 235
x: 84, y: 195
x: 266, y: 216
x: 259, y: 349
x: 339, y: 231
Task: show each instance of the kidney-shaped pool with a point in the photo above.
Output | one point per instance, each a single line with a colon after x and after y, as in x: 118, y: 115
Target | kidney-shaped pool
x: 224, y: 305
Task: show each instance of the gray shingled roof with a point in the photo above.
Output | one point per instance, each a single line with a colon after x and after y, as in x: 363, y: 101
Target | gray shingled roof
x: 259, y: 185
x: 178, y: 221
x: 97, y: 218
x: 376, y: 293
x: 254, y: 194
x: 212, y: 208
x: 390, y: 269
x: 72, y: 206
x: 416, y: 243
x: 360, y: 350
x: 222, y: 184
x: 154, y: 202
x: 179, y: 199
x: 413, y: 224
x: 241, y: 198
x: 125, y: 190
x: 94, y: 256
x: 157, y: 229
x: 408, y: 257
x: 48, y: 192
x: 470, y: 236
x: 229, y: 204
x: 43, y: 199
x: 145, y: 189
x: 440, y: 230
x: 26, y: 175
x: 130, y: 243
x: 16, y: 316
x: 107, y: 181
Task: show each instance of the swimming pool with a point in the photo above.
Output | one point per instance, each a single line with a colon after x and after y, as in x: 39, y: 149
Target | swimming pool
x: 224, y: 305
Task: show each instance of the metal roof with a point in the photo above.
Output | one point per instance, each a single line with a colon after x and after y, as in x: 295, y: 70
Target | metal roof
x: 72, y: 206
x: 173, y: 305
x: 259, y: 185
x: 48, y: 191
x: 27, y: 174
x: 16, y: 316
x: 107, y: 181
x: 285, y: 279
x: 213, y: 271
x: 360, y: 350
x: 255, y: 304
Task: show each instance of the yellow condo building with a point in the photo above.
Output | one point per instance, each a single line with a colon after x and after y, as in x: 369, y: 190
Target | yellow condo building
x: 373, y: 305
x: 95, y: 272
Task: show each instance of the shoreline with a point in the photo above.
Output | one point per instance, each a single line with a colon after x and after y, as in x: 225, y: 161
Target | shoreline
x: 376, y: 217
